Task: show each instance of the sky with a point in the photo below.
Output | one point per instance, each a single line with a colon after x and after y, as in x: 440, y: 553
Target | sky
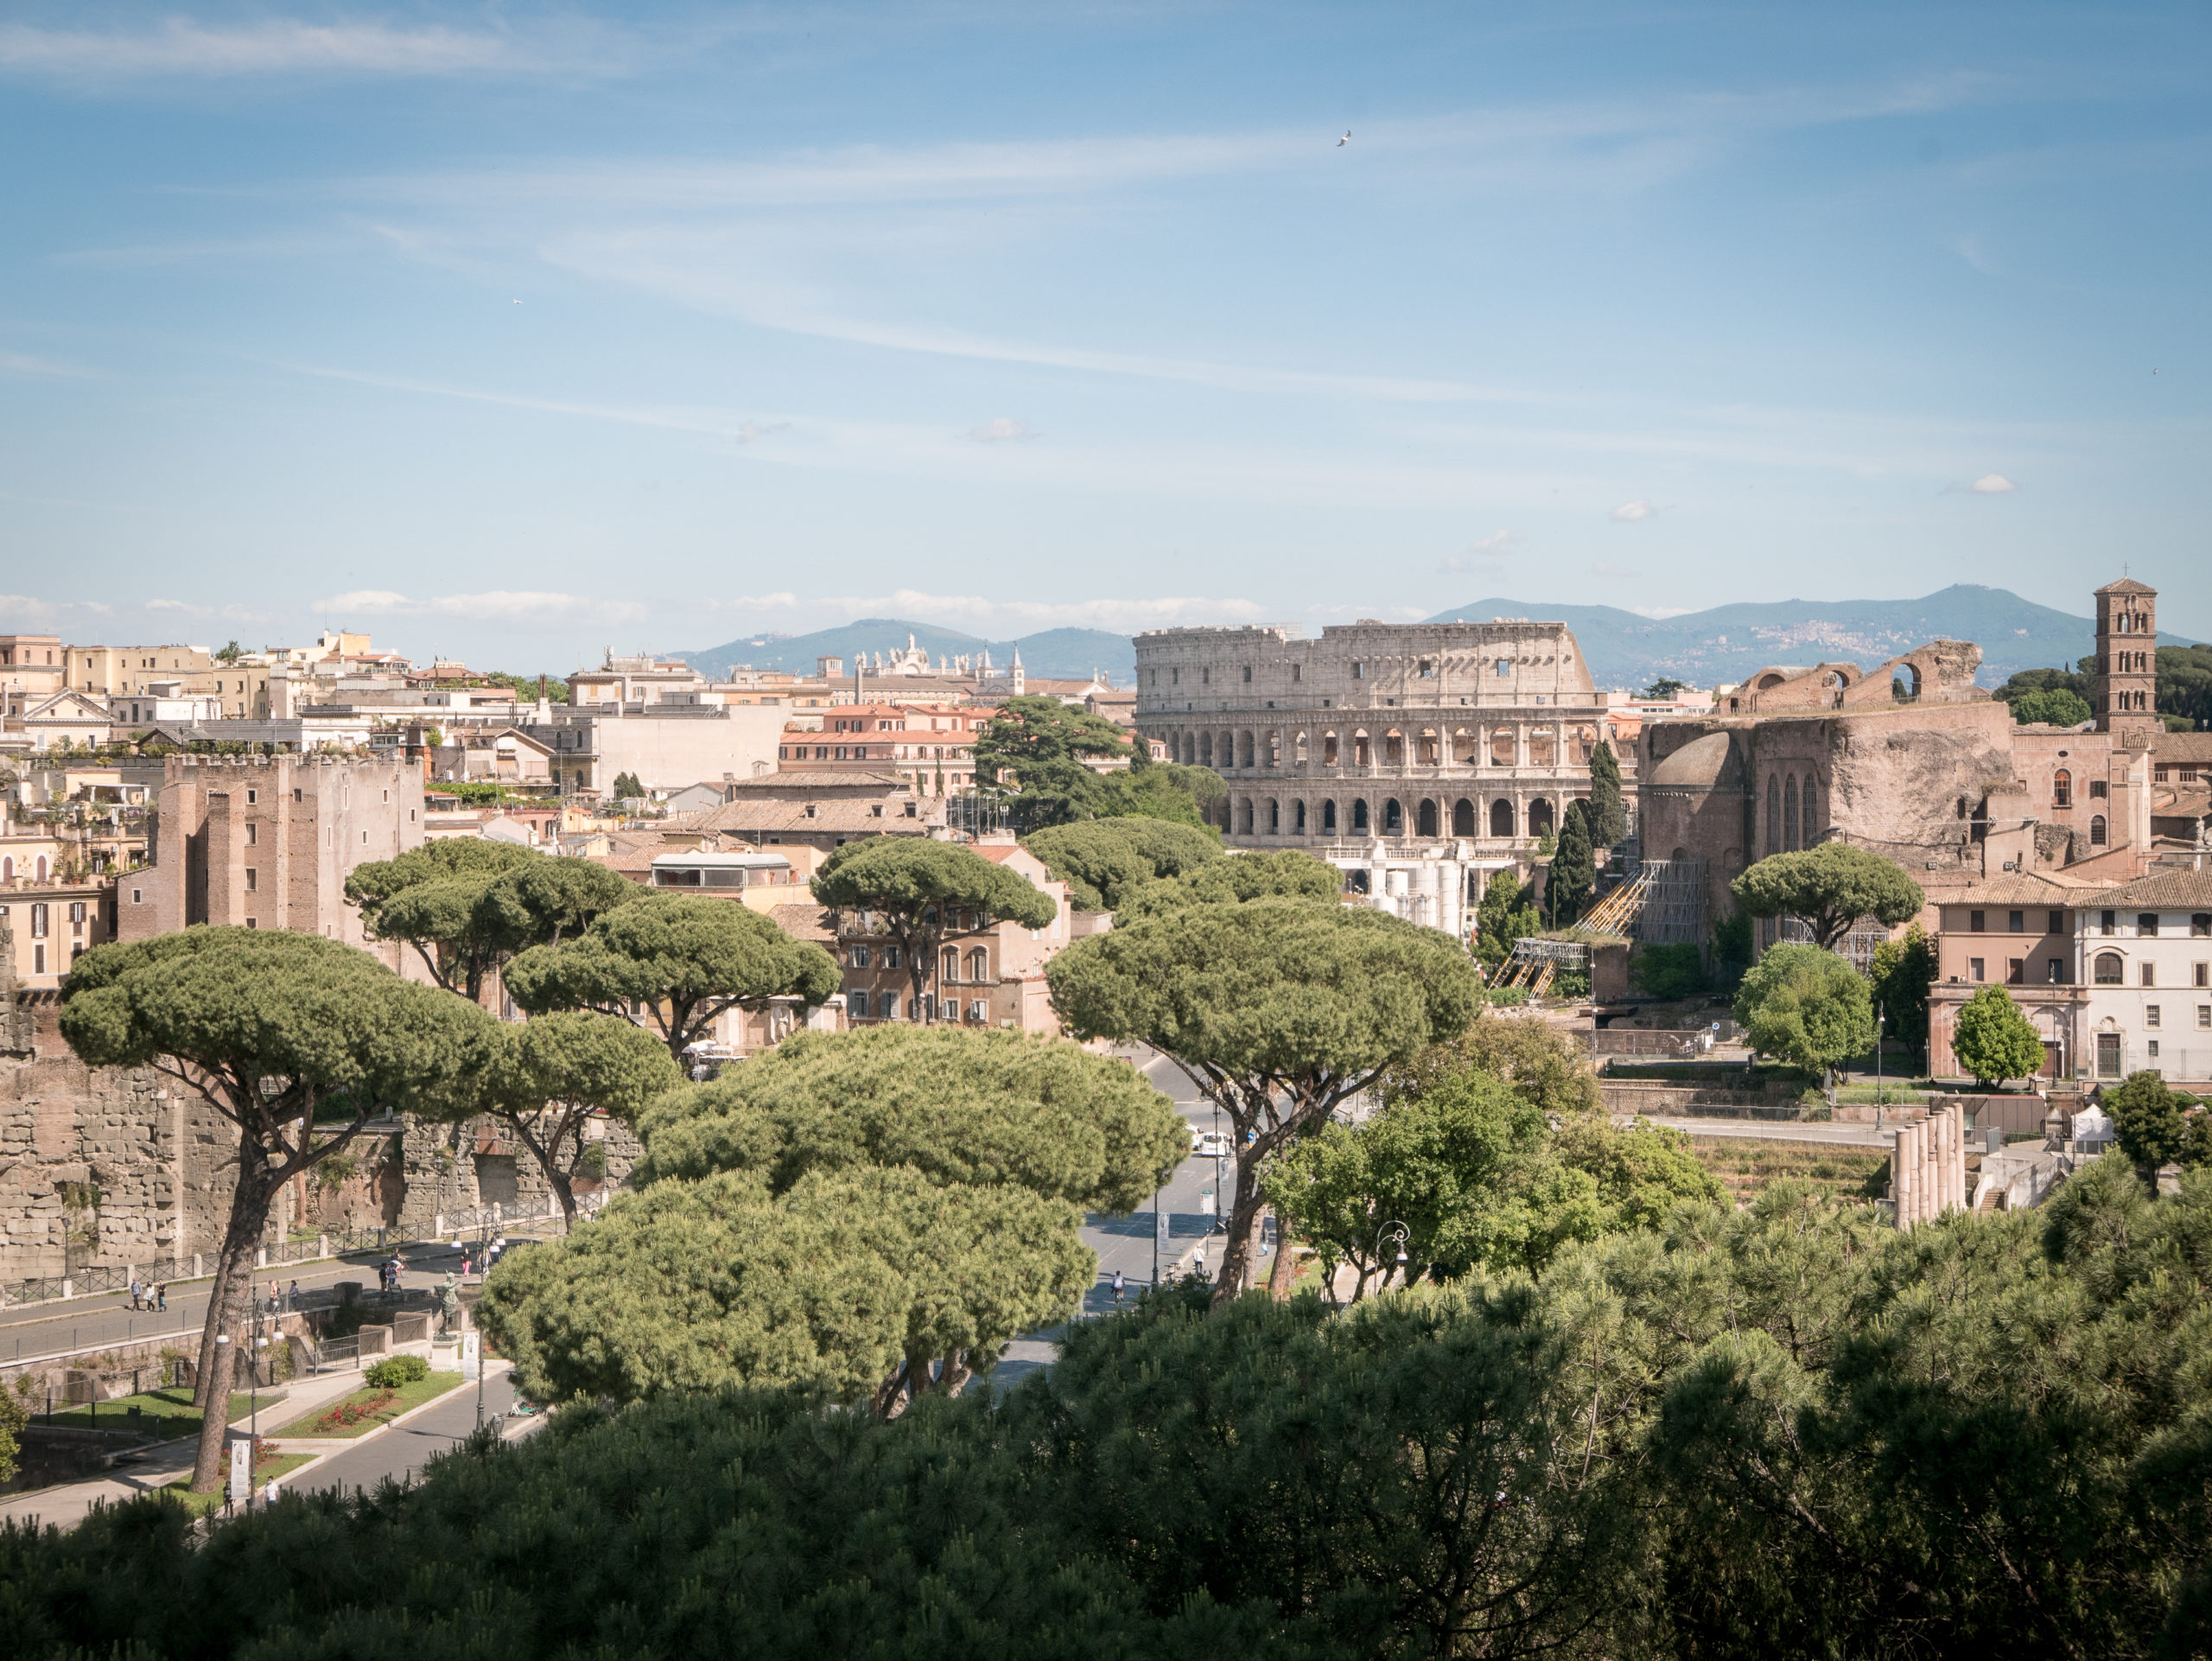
x: 515, y: 333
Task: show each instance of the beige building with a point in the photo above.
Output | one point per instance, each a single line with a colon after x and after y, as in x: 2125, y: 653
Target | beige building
x: 111, y: 671
x: 33, y: 667
x: 930, y: 746
x: 818, y: 810
x: 1419, y: 737
x: 50, y: 924
x: 267, y: 841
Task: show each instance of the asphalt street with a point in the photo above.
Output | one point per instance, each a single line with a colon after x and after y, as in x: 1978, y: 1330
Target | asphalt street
x: 402, y: 1450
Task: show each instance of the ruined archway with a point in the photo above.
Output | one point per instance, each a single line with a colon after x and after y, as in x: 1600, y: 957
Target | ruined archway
x: 1463, y: 817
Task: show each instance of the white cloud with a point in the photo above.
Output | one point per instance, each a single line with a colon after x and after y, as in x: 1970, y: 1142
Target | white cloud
x: 21, y: 363
x: 1992, y: 484
x: 1002, y: 431
x: 496, y: 606
x: 1484, y: 552
x: 1635, y: 513
x: 1658, y: 614
x: 178, y: 46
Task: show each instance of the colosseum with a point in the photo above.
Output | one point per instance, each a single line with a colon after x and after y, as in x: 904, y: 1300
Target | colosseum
x: 1418, y: 757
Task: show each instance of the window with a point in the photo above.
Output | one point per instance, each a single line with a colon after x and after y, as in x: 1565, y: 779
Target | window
x: 2204, y: 974
x: 952, y: 963
x: 1329, y: 817
x: 1428, y: 669
x: 1358, y: 816
x: 2147, y: 974
x: 2097, y: 831
x: 2153, y: 1047
x: 2200, y: 925
x: 365, y: 838
x: 251, y: 797
x: 2058, y: 923
x: 2055, y: 972
x: 252, y: 880
x: 891, y: 957
x: 252, y: 922
x: 1359, y: 671
x: 2150, y: 1015
x: 857, y: 958
x: 38, y: 919
x: 889, y: 1005
x: 77, y: 913
x: 979, y: 965
x: 138, y: 896
x: 2204, y: 1015
x: 1975, y: 969
x: 2146, y: 925
x: 2109, y: 969
x: 1505, y: 666
x: 2096, y: 790
x: 2109, y: 922
x: 2016, y: 922
x: 1248, y: 674
x: 38, y: 960
x: 2061, y: 788
x: 2108, y: 1056
x: 1977, y: 922
x: 252, y: 835
x: 2016, y: 971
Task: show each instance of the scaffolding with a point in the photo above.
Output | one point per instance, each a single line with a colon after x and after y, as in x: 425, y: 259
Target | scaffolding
x: 1536, y: 962
x: 1662, y: 904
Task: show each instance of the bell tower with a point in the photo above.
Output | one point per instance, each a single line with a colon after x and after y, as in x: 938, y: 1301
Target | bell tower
x: 2124, y: 693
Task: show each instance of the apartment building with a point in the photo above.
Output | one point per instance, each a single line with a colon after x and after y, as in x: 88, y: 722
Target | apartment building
x: 818, y: 810
x: 2019, y: 932
x: 33, y: 667
x: 2145, y: 948
x: 268, y: 841
x: 930, y: 746
x: 50, y: 924
x: 109, y: 672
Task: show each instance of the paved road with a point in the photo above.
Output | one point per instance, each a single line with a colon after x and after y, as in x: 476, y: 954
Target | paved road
x: 48, y: 1329
x: 1846, y: 1135
x: 402, y: 1450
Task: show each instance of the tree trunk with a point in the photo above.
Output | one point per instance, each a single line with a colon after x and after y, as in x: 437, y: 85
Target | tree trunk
x: 1243, y: 1228
x: 1284, y: 1275
x: 226, y: 1308
x: 548, y: 1155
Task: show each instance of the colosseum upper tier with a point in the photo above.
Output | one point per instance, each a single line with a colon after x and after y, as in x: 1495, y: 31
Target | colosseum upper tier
x: 1478, y: 732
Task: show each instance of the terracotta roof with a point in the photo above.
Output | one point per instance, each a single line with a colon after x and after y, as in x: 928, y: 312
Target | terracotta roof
x: 2181, y: 889
x: 804, y: 921
x: 797, y: 779
x: 781, y: 814
x: 2166, y: 747
x: 2024, y: 888
x: 2127, y: 585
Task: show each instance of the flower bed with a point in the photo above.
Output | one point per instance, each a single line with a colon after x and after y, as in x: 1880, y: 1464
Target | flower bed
x: 350, y: 1412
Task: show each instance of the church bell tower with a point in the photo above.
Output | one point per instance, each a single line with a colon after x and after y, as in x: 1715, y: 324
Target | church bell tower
x: 2127, y: 680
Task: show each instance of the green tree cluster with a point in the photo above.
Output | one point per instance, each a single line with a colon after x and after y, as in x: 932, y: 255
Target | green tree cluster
x: 1994, y: 1041
x: 1899, y: 978
x: 2152, y: 1122
x: 1806, y: 1006
x: 1038, y: 750
x: 296, y: 1041
x: 628, y: 786
x: 1503, y: 914
x: 868, y: 1217
x: 1667, y: 972
x: 1104, y: 861
x: 1829, y: 888
x: 1277, y: 1008
x: 1278, y: 873
x: 1608, y: 816
x: 2183, y: 687
x: 683, y: 960
x: 919, y: 890
x: 2054, y: 706
x: 1789, y: 1430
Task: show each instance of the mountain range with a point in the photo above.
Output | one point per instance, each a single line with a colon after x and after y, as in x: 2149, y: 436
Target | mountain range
x: 1726, y: 643
x: 1623, y: 649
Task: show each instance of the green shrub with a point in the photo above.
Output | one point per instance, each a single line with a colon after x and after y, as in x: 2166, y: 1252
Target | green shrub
x: 1668, y: 971
x: 395, y: 1371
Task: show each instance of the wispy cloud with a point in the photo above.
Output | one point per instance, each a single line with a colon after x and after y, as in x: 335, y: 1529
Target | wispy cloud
x: 494, y: 607
x: 1484, y: 553
x: 1993, y: 484
x: 1002, y: 431
x: 182, y: 47
x: 23, y: 363
x: 1634, y: 513
x: 200, y: 613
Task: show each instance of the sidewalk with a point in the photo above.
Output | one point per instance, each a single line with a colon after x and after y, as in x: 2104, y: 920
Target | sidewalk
x: 66, y: 1505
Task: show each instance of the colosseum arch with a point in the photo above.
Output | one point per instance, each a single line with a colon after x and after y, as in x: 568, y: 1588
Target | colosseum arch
x: 1581, y: 745
x: 1789, y: 814
x: 1543, y: 749
x: 1359, y: 815
x: 1425, y: 748
x: 1425, y: 817
x: 1362, y: 754
x: 1394, y: 748
x: 1463, y: 817
x: 1328, y: 749
x: 1298, y: 750
x: 1503, y: 751
x: 1328, y: 818
x: 1394, y: 818
x: 1501, y: 818
x: 1461, y: 750
x: 1541, y: 817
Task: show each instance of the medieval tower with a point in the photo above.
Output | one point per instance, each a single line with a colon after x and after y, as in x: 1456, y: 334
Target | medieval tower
x: 2126, y: 690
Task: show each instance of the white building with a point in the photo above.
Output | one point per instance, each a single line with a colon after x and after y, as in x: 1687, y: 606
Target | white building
x: 2146, y: 957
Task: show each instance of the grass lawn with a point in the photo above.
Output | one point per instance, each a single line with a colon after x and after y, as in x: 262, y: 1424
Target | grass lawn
x: 1746, y: 1164
x: 168, y: 1413
x: 200, y: 1504
x: 403, y: 1399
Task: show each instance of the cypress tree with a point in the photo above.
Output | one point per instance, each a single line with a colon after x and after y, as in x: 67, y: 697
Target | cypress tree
x: 1574, y: 866
x: 1608, y: 819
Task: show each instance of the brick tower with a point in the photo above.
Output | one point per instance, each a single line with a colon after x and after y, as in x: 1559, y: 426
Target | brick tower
x: 2126, y: 682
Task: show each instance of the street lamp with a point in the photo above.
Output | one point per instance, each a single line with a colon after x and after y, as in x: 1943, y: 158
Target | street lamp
x: 1397, y: 1233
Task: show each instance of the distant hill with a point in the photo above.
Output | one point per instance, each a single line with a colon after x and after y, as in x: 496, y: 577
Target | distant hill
x: 1726, y: 643
x: 1054, y: 653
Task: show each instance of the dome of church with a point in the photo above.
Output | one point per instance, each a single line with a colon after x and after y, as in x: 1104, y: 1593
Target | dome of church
x: 1707, y: 763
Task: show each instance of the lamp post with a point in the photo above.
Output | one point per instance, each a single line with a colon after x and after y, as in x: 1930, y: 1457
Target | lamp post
x: 1397, y: 1232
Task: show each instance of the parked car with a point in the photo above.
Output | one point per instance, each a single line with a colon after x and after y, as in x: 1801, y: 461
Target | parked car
x: 1213, y: 1144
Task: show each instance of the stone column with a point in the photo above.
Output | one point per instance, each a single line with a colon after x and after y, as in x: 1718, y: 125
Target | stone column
x: 1903, y: 1159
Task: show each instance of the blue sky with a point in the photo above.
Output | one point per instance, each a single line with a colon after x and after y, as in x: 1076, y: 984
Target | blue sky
x: 516, y: 333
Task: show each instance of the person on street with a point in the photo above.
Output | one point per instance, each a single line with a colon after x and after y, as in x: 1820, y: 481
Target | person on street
x: 162, y: 1296
x: 292, y: 1297
x: 137, y: 1294
x: 1117, y: 1288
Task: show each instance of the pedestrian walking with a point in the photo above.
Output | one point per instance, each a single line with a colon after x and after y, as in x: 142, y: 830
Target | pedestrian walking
x: 162, y: 1296
x: 137, y: 1294
x: 275, y: 1302
x: 1117, y: 1288
x: 292, y: 1297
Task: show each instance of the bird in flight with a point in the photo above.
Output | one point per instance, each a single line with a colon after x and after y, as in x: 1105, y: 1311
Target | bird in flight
x: 1345, y: 140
